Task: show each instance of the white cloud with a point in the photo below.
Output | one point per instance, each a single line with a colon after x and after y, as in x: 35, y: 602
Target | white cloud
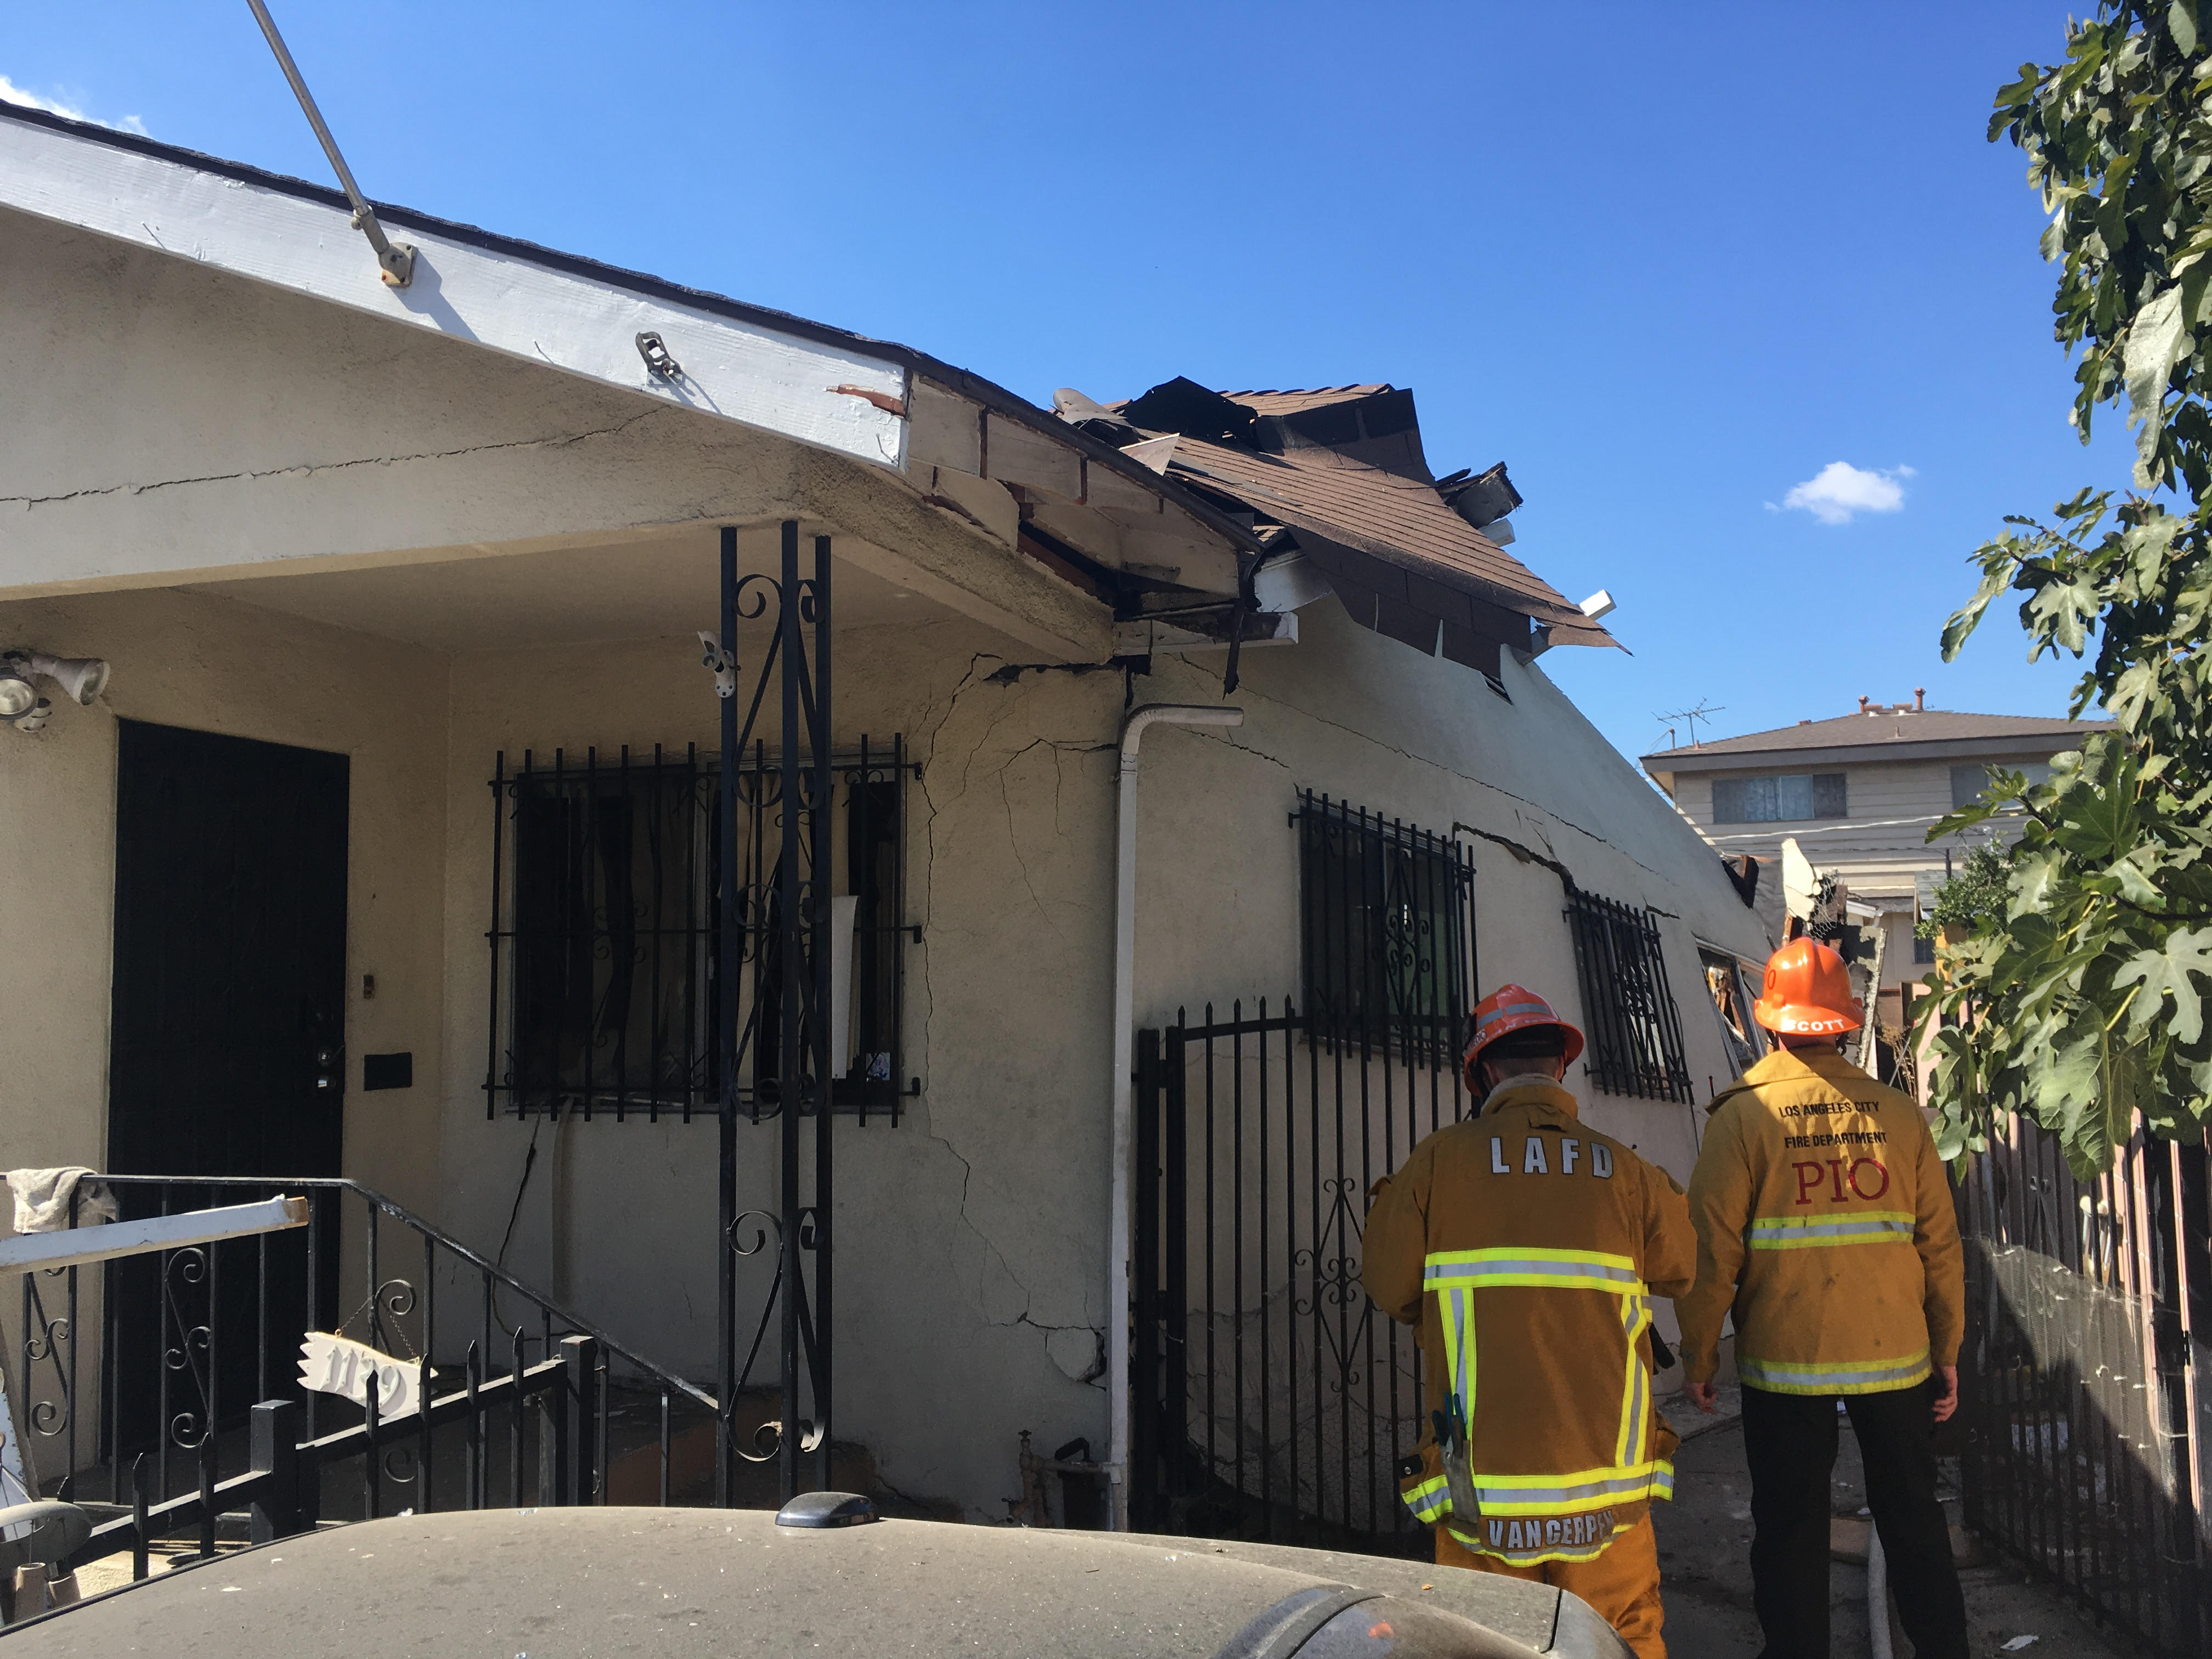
x: 12, y: 93
x: 1839, y: 489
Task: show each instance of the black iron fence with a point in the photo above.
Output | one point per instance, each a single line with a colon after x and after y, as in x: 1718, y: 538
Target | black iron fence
x: 2088, y: 1377
x: 1272, y: 1399
x: 182, y: 1402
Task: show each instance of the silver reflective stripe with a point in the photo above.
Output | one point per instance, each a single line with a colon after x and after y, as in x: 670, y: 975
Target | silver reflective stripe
x: 1519, y: 1497
x: 1818, y: 1378
x: 1758, y: 1229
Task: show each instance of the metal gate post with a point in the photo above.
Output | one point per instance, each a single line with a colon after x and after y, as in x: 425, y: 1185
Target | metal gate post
x: 1144, y: 1380
x: 273, y: 1449
x: 819, y: 823
x: 1174, y: 1427
x: 726, y: 1039
x: 579, y: 1420
x: 788, y: 1008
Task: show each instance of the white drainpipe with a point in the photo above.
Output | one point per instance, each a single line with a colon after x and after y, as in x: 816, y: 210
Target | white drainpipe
x: 1125, y: 997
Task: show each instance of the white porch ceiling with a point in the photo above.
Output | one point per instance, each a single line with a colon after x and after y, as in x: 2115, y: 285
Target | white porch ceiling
x: 652, y: 589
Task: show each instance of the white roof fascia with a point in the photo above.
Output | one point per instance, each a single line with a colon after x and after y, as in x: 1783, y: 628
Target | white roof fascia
x: 742, y: 372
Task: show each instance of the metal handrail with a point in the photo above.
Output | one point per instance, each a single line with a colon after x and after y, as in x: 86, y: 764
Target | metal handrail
x: 444, y: 1240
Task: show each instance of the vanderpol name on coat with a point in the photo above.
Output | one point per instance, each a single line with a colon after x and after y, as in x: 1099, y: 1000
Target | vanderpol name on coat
x: 1559, y: 1531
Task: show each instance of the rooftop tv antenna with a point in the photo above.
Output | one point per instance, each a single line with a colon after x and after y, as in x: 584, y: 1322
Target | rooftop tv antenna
x: 1690, y: 717
x: 397, y: 259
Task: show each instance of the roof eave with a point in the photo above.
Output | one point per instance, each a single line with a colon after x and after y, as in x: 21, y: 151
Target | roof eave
x: 400, y: 218
x: 2024, y: 747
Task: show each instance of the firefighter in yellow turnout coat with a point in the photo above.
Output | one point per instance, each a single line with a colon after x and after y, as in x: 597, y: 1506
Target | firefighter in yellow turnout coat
x: 1528, y: 1248
x: 1824, y: 1221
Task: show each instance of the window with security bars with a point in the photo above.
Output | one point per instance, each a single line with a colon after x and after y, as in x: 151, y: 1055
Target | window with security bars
x: 605, y: 940
x: 1388, y: 923
x: 1634, y: 1030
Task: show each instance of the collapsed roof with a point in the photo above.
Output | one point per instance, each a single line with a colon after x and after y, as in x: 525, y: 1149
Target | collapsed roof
x: 1340, y: 495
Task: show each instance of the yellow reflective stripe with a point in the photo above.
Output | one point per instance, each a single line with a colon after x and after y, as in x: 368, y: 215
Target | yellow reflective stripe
x: 1520, y: 1265
x: 1833, y: 1377
x: 1429, y: 1501
x: 1799, y: 1233
x: 1635, y: 1411
x: 1455, y: 1312
x: 1454, y: 1275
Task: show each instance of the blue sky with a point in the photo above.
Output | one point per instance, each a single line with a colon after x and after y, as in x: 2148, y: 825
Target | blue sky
x: 1668, y: 262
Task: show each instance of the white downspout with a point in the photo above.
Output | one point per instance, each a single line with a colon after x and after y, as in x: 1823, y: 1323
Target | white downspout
x: 1125, y: 998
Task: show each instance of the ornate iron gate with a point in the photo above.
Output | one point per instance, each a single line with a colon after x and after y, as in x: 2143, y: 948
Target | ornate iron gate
x: 1273, y: 1398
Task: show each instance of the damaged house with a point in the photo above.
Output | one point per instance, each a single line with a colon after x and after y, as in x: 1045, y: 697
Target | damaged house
x: 784, y: 1009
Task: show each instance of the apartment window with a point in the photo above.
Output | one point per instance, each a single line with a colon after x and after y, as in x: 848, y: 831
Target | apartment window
x: 1389, y: 930
x: 605, y: 942
x: 1967, y: 782
x: 1785, y: 800
x: 1635, y: 1031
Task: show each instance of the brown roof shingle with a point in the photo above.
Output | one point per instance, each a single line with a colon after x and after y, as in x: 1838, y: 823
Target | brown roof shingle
x: 1401, y: 520
x: 1291, y: 402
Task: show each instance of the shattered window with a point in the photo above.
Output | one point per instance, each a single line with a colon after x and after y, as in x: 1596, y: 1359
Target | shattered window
x: 1388, y: 925
x: 1732, y: 996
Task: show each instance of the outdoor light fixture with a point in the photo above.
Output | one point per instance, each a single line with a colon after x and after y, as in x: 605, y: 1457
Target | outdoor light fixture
x: 18, y: 696
x: 81, y: 678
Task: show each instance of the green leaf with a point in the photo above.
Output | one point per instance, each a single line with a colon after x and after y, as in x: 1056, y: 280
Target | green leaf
x: 1996, y: 576
x: 2157, y: 340
x: 2166, y: 972
x: 2182, y: 26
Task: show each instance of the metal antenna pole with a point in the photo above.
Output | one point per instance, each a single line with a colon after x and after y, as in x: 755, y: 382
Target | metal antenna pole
x: 397, y: 259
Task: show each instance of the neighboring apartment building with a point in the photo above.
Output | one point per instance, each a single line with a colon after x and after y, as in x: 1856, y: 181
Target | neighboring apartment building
x: 1858, y: 793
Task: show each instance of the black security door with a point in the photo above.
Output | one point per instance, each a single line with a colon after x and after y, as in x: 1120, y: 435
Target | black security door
x: 230, y: 903
x: 226, y: 1052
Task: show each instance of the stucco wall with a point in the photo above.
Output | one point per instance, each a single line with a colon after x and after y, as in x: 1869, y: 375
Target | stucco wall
x: 971, y: 1241
x: 971, y: 1260
x: 191, y: 659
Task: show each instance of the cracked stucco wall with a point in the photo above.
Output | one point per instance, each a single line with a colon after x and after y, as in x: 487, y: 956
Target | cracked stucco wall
x: 969, y: 1246
x: 970, y: 1238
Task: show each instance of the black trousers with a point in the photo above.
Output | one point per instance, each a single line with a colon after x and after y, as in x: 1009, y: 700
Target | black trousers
x: 1790, y: 1441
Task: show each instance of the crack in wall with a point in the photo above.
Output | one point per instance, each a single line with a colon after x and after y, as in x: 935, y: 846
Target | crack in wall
x: 1449, y: 771
x: 1014, y: 846
x: 309, y: 469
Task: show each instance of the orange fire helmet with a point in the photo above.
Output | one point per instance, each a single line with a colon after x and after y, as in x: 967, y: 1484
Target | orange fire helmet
x: 1509, y: 1009
x: 1807, y: 993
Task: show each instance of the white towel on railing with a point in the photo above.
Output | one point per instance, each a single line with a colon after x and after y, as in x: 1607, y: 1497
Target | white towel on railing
x: 42, y: 1198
